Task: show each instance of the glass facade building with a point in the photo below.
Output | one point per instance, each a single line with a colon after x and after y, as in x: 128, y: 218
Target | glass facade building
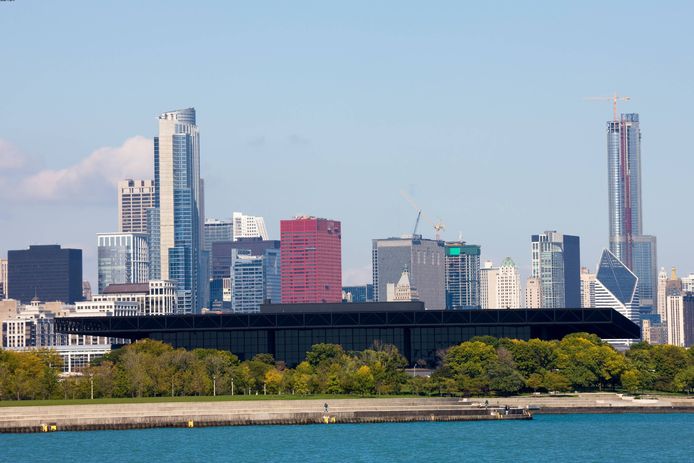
x: 627, y: 242
x: 46, y: 272
x: 122, y: 258
x: 556, y: 262
x: 255, y: 279
x: 462, y: 276
x: 178, y: 197
x: 358, y: 294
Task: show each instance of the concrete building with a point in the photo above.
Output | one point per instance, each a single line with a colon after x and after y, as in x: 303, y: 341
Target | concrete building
x: 46, y: 272
x: 403, y: 291
x: 217, y: 230
x: 3, y: 279
x: 508, y: 285
x: 221, y: 253
x: 533, y: 293
x: 135, y: 197
x: 311, y: 260
x: 425, y: 261
x: 688, y: 283
x: 587, y: 288
x: 178, y: 236
x: 156, y: 297
x: 122, y: 258
x: 489, y: 277
x: 248, y: 226
x: 556, y: 261
x: 462, y: 275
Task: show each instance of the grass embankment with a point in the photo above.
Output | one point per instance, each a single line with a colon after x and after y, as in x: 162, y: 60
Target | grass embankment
x: 219, y: 398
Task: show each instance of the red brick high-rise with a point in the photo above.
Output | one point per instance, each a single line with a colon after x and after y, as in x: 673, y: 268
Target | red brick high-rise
x: 311, y: 260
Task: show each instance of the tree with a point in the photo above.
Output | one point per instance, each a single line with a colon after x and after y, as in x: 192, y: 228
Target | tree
x: 684, y: 380
x: 324, y: 353
x: 273, y: 381
x: 363, y: 380
x: 630, y: 380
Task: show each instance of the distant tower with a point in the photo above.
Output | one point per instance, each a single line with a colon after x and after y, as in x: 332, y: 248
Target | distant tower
x: 556, y: 261
x: 587, y: 288
x: 178, y: 190
x: 508, y: 285
x: 134, y: 198
x: 533, y: 293
x: 616, y: 287
x: 402, y: 291
x: 311, y: 260
x: 248, y: 226
x: 662, y: 297
x: 489, y: 276
x: 627, y: 242
x: 462, y: 275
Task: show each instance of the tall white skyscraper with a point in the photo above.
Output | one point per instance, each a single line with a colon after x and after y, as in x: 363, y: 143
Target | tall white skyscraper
x: 248, y: 226
x: 3, y: 278
x: 488, y: 286
x: 134, y: 198
x: 662, y: 297
x: 508, y: 285
x: 178, y: 197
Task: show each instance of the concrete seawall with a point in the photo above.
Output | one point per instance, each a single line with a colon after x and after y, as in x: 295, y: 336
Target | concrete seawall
x: 237, y: 413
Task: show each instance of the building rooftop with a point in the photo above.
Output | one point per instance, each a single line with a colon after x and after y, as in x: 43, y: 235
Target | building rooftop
x: 126, y: 288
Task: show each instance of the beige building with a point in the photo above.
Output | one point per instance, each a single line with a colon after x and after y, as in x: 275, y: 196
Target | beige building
x: 661, y: 308
x: 134, y: 198
x: 587, y: 288
x: 675, y: 320
x: 401, y: 292
x: 3, y: 279
x: 489, y: 276
x: 533, y: 293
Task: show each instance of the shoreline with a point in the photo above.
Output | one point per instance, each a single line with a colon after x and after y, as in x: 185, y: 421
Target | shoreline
x: 49, y: 418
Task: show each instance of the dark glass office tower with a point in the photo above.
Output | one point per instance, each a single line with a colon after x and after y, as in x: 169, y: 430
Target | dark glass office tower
x: 46, y: 272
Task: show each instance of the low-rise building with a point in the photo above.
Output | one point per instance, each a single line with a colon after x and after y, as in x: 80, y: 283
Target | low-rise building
x: 156, y: 297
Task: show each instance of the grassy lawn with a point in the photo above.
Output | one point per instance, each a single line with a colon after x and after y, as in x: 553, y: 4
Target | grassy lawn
x: 223, y: 398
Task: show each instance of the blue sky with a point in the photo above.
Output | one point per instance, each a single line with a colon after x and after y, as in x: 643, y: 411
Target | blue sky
x: 331, y: 109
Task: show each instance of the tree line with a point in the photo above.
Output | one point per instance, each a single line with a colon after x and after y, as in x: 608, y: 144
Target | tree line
x: 481, y: 366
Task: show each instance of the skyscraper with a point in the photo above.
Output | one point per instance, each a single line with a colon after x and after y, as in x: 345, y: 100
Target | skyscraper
x: 662, y: 298
x: 248, y: 226
x: 489, y: 276
x: 616, y: 287
x: 424, y: 260
x: 508, y: 285
x: 3, y: 278
x: 311, y: 260
x: 122, y: 258
x: 178, y: 197
x: 462, y: 275
x: 627, y: 242
x: 556, y: 261
x: 533, y: 293
x: 46, y: 272
x: 134, y: 198
x: 255, y: 279
x: 587, y: 288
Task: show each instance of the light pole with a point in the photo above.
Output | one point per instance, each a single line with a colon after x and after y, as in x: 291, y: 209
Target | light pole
x: 214, y: 385
x: 91, y: 385
x: 232, y: 386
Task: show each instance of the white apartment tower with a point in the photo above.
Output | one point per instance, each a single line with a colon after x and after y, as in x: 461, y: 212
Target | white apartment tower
x: 134, y: 198
x: 248, y: 226
x: 587, y: 288
x: 661, y: 297
x: 508, y: 285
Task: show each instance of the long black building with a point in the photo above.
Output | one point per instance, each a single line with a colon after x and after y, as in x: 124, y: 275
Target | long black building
x: 287, y: 331
x: 46, y: 272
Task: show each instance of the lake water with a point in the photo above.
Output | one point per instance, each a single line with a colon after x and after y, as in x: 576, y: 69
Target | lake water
x: 561, y: 438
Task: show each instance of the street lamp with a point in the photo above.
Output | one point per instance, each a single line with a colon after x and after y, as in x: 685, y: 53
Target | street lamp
x: 91, y: 385
x: 232, y: 385
x: 214, y: 385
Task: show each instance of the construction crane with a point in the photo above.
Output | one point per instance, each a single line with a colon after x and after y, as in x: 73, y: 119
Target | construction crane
x: 614, y: 98
x: 438, y: 226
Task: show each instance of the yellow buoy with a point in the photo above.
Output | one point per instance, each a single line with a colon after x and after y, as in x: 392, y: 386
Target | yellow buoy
x: 191, y: 424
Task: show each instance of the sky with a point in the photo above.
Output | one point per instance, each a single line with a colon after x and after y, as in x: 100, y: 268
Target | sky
x: 476, y: 110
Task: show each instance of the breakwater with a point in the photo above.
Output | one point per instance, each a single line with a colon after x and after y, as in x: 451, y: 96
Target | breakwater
x: 237, y: 413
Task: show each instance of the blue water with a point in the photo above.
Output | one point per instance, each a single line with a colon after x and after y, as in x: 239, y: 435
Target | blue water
x: 561, y: 438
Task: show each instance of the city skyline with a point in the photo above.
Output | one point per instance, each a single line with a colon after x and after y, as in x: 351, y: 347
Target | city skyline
x: 338, y: 123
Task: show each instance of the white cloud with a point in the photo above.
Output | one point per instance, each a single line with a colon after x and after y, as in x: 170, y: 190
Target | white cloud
x: 10, y: 156
x: 93, y: 179
x: 356, y: 276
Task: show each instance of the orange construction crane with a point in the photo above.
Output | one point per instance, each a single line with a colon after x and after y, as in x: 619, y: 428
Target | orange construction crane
x: 614, y: 98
